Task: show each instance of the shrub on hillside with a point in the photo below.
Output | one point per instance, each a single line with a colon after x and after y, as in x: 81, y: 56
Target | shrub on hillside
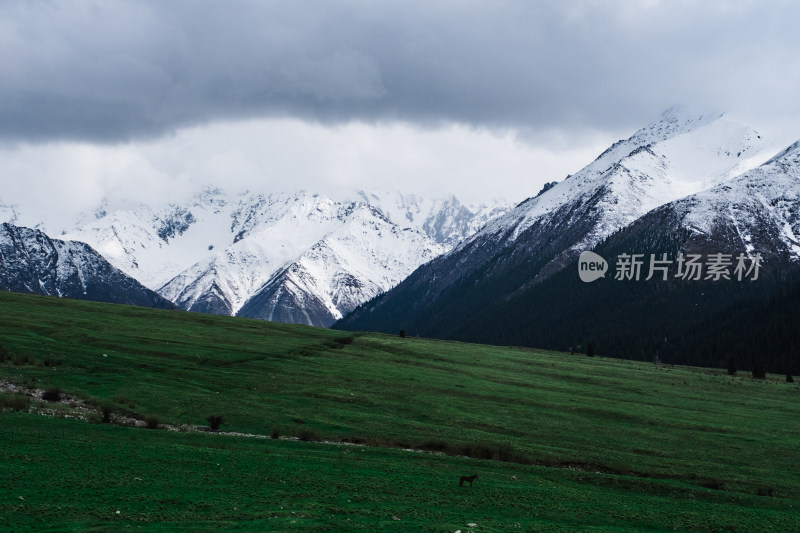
x: 106, y: 410
x: 152, y: 421
x: 214, y: 421
x: 52, y: 395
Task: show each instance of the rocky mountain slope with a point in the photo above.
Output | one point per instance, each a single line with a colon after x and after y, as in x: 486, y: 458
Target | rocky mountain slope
x: 32, y: 262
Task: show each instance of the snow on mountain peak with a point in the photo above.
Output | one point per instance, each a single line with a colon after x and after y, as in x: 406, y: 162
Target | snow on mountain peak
x: 764, y: 197
x: 680, y: 153
x: 365, y: 256
x: 444, y: 218
x: 215, y: 250
x: 675, y: 120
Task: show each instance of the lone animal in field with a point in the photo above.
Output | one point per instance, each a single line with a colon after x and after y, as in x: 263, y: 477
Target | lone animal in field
x: 468, y: 479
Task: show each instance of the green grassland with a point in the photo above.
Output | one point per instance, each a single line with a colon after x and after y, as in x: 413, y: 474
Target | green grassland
x: 560, y: 442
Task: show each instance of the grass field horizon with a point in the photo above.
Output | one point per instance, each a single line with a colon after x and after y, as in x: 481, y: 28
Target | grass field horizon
x: 559, y: 441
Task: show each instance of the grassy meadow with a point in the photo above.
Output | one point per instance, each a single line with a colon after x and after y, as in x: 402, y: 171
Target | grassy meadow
x: 333, y: 431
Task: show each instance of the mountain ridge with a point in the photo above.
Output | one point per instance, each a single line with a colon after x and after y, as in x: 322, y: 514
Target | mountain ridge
x: 216, y: 252
x: 32, y: 262
x: 485, y: 290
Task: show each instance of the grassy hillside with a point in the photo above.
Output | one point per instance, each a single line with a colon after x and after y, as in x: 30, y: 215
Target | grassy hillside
x: 558, y: 440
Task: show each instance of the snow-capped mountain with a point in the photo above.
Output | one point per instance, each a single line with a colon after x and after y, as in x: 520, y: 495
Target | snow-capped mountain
x: 446, y: 220
x: 32, y: 262
x: 218, y: 252
x: 756, y: 212
x: 152, y: 243
x: 679, y: 154
x: 365, y: 256
x: 752, y: 315
x: 262, y: 233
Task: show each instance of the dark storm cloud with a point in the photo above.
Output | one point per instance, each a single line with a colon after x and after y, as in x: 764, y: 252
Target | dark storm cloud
x: 113, y: 71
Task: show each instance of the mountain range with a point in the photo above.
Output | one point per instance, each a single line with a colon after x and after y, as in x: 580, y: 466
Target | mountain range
x: 685, y: 184
x: 292, y: 257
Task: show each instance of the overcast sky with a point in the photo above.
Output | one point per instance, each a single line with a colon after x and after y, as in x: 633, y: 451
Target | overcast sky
x: 141, y: 99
